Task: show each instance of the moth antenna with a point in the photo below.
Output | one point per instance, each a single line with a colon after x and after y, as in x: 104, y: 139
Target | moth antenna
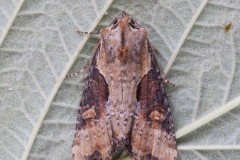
x: 74, y: 74
x: 82, y: 32
x: 165, y: 80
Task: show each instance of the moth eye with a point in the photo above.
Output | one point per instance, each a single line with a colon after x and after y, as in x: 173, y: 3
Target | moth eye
x: 114, y: 24
x: 133, y: 24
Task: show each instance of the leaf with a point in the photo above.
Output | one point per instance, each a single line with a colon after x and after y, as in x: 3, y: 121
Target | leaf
x: 39, y: 47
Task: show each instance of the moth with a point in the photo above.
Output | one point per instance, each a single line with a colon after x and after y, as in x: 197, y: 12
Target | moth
x: 124, y: 103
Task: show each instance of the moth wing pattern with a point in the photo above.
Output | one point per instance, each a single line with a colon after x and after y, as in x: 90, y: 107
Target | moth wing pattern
x: 93, y: 134
x: 153, y: 135
x: 124, y: 103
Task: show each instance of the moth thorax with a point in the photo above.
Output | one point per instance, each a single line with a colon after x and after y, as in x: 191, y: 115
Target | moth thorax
x: 122, y: 54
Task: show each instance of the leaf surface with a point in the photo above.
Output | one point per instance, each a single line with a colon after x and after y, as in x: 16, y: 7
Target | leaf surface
x: 197, y: 50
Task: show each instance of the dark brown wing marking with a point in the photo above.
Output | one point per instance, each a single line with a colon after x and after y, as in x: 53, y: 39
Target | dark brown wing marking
x: 152, y: 135
x: 93, y: 138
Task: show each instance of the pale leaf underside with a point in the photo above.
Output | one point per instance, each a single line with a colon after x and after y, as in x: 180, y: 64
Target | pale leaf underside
x: 197, y: 50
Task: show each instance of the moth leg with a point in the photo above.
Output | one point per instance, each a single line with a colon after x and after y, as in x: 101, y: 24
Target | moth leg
x: 165, y: 80
x: 82, y: 71
x: 83, y: 32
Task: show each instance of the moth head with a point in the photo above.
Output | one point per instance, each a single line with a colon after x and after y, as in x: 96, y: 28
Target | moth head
x: 124, y: 20
x: 123, y: 39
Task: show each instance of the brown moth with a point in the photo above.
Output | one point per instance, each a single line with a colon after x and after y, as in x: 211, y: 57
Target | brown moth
x: 124, y: 103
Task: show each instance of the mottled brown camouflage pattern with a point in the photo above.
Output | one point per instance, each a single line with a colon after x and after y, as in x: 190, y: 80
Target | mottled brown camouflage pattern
x: 124, y: 102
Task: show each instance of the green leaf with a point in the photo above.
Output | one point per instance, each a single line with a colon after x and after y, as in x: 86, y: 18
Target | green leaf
x: 39, y: 47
